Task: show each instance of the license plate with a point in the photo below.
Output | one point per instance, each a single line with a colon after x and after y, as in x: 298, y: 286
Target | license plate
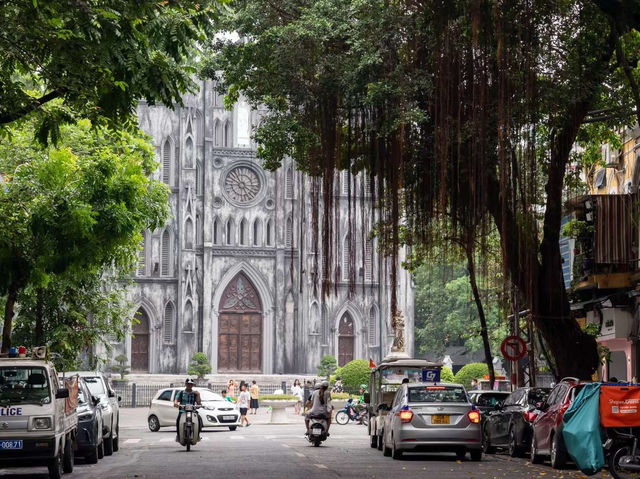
x: 228, y: 418
x: 11, y: 444
x: 316, y: 431
x: 440, y: 419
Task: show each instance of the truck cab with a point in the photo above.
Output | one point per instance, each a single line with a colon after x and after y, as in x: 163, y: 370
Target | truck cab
x: 38, y: 418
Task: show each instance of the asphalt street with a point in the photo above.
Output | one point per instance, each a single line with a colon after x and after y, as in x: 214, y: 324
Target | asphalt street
x: 280, y: 451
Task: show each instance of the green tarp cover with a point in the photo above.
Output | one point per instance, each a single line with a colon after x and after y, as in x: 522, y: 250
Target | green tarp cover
x: 581, y: 431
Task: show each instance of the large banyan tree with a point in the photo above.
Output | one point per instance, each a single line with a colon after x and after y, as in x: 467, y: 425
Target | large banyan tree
x: 464, y: 114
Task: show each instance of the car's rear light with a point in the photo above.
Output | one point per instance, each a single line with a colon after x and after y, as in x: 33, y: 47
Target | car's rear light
x: 474, y: 416
x: 405, y: 416
x: 530, y: 416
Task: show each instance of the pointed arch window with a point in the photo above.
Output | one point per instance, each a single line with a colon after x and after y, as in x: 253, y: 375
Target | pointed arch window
x: 368, y: 259
x: 289, y: 233
x: 244, y: 233
x: 227, y: 134
x: 142, y: 258
x: 217, y: 233
x: 324, y: 320
x: 188, y: 152
x: 257, y: 232
x: 270, y: 233
x: 165, y: 255
x: 167, y: 162
x: 169, y: 319
x: 288, y: 184
x: 217, y: 131
x: 188, y: 234
x: 231, y: 232
x: 346, y: 257
x: 188, y: 316
x: 373, y: 326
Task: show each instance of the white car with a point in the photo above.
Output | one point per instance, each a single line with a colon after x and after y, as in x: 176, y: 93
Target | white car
x: 216, y: 411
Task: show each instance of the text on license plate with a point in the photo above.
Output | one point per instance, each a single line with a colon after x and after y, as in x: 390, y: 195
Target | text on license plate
x: 11, y: 444
x: 229, y: 418
x: 440, y: 419
x: 317, y: 430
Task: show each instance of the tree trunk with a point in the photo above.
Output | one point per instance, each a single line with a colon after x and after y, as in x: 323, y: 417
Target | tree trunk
x: 12, y: 295
x: 483, y: 320
x: 39, y: 332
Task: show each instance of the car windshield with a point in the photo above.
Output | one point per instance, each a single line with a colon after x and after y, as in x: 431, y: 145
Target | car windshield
x: 24, y: 385
x: 206, y: 395
x: 396, y: 375
x: 489, y: 399
x: 449, y: 394
x: 95, y: 384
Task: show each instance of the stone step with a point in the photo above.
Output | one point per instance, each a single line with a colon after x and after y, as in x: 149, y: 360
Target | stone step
x: 167, y: 379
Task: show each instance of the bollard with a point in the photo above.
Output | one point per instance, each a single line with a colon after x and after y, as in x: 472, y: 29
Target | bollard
x: 133, y: 395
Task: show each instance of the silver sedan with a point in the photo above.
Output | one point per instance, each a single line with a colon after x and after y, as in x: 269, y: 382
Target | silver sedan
x: 428, y: 417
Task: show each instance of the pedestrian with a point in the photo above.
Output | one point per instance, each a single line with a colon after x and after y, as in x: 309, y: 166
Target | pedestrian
x: 474, y: 384
x: 308, y: 387
x: 254, y: 391
x: 243, y: 401
x: 296, y: 390
x: 231, y: 388
x: 226, y: 396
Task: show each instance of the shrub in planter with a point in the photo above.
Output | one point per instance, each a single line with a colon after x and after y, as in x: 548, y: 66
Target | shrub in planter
x: 355, y: 373
x: 471, y: 371
x: 121, y: 367
x: 199, y: 365
x: 328, y: 365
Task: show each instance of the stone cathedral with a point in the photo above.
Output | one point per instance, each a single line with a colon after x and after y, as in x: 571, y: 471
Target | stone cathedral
x: 232, y: 273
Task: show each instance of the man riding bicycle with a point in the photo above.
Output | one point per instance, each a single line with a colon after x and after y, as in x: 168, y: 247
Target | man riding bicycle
x: 187, y: 396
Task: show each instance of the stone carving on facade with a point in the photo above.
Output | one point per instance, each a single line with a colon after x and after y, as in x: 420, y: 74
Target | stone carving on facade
x: 242, y: 184
x: 398, y: 336
x: 240, y: 296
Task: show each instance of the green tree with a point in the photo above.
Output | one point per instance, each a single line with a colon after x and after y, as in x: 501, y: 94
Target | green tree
x: 457, y: 110
x: 100, y: 57
x: 74, y: 209
x: 328, y: 365
x: 199, y: 365
x: 471, y: 371
x: 446, y: 375
x: 121, y: 367
x: 355, y: 373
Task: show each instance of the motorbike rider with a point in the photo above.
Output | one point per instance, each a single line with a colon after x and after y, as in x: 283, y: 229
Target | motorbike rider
x: 319, y: 406
x: 187, y: 396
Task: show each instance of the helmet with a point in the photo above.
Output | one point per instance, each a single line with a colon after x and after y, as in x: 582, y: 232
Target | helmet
x: 363, y: 386
x: 189, y: 381
x: 325, y: 384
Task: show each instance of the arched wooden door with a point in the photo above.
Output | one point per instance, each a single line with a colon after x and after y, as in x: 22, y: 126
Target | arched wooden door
x: 240, y: 327
x: 140, y: 343
x: 346, y: 340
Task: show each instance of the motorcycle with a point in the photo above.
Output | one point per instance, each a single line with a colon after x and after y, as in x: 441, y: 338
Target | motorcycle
x: 624, y: 456
x: 343, y: 416
x: 317, y: 431
x: 189, y: 425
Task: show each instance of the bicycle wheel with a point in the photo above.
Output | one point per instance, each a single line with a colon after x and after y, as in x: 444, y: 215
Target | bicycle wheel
x: 617, y: 460
x: 342, y: 417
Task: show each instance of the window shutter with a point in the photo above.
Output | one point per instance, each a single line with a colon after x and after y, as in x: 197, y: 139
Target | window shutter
x: 168, y: 322
x: 368, y: 260
x: 289, y: 183
x: 289, y: 233
x: 372, y: 326
x: 166, y: 162
x: 142, y: 262
x: 346, y: 257
x: 166, y: 245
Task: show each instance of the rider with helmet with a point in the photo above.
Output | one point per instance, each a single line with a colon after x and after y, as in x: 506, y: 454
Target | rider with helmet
x: 187, y: 396
x: 319, y: 406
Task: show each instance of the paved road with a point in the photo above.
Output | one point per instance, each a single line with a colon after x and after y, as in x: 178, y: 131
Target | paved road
x: 280, y: 451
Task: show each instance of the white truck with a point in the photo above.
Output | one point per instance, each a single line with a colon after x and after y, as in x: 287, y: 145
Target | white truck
x: 38, y: 418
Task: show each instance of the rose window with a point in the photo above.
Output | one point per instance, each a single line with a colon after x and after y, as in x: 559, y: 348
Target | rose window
x: 242, y: 184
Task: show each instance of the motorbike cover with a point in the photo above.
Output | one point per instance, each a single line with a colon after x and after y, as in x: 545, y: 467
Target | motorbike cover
x: 581, y: 431
x: 196, y: 429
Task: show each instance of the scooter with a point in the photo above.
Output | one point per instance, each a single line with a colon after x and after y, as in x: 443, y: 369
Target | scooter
x: 317, y: 431
x: 189, y: 425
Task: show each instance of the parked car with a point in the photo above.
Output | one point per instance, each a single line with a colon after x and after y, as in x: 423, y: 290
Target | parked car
x: 427, y: 417
x: 90, y: 442
x: 216, y: 411
x: 487, y: 401
x: 547, y: 427
x: 99, y: 386
x: 510, y: 423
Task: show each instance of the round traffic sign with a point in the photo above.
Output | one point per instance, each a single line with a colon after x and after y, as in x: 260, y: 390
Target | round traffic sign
x: 513, y: 348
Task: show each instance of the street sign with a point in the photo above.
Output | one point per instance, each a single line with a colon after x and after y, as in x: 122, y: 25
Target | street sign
x: 430, y: 375
x: 513, y: 348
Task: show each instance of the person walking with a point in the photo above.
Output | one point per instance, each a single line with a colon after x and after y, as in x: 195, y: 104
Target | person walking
x: 254, y: 392
x: 243, y: 401
x: 231, y: 388
x: 308, y: 387
x: 296, y: 390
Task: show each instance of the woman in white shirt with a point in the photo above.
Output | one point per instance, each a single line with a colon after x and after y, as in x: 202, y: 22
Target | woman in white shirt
x: 296, y: 390
x: 243, y: 401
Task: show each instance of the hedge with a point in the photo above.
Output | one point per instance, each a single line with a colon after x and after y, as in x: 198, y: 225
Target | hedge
x: 471, y: 371
x: 446, y: 375
x: 355, y: 373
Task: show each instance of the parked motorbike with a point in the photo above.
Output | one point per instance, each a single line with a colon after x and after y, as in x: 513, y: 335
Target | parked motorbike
x: 317, y: 431
x: 624, y: 455
x: 189, y: 430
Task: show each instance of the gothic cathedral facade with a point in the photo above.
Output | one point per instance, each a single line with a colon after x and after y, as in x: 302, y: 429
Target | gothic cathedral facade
x: 233, y: 272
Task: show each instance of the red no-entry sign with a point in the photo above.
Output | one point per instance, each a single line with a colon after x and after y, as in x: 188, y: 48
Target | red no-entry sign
x: 513, y: 348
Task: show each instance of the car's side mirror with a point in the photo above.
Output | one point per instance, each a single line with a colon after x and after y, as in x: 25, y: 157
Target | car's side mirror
x: 112, y: 394
x: 367, y: 398
x: 62, y: 393
x: 96, y: 400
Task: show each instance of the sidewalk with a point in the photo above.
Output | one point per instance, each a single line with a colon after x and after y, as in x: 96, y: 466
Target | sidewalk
x: 136, y: 418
